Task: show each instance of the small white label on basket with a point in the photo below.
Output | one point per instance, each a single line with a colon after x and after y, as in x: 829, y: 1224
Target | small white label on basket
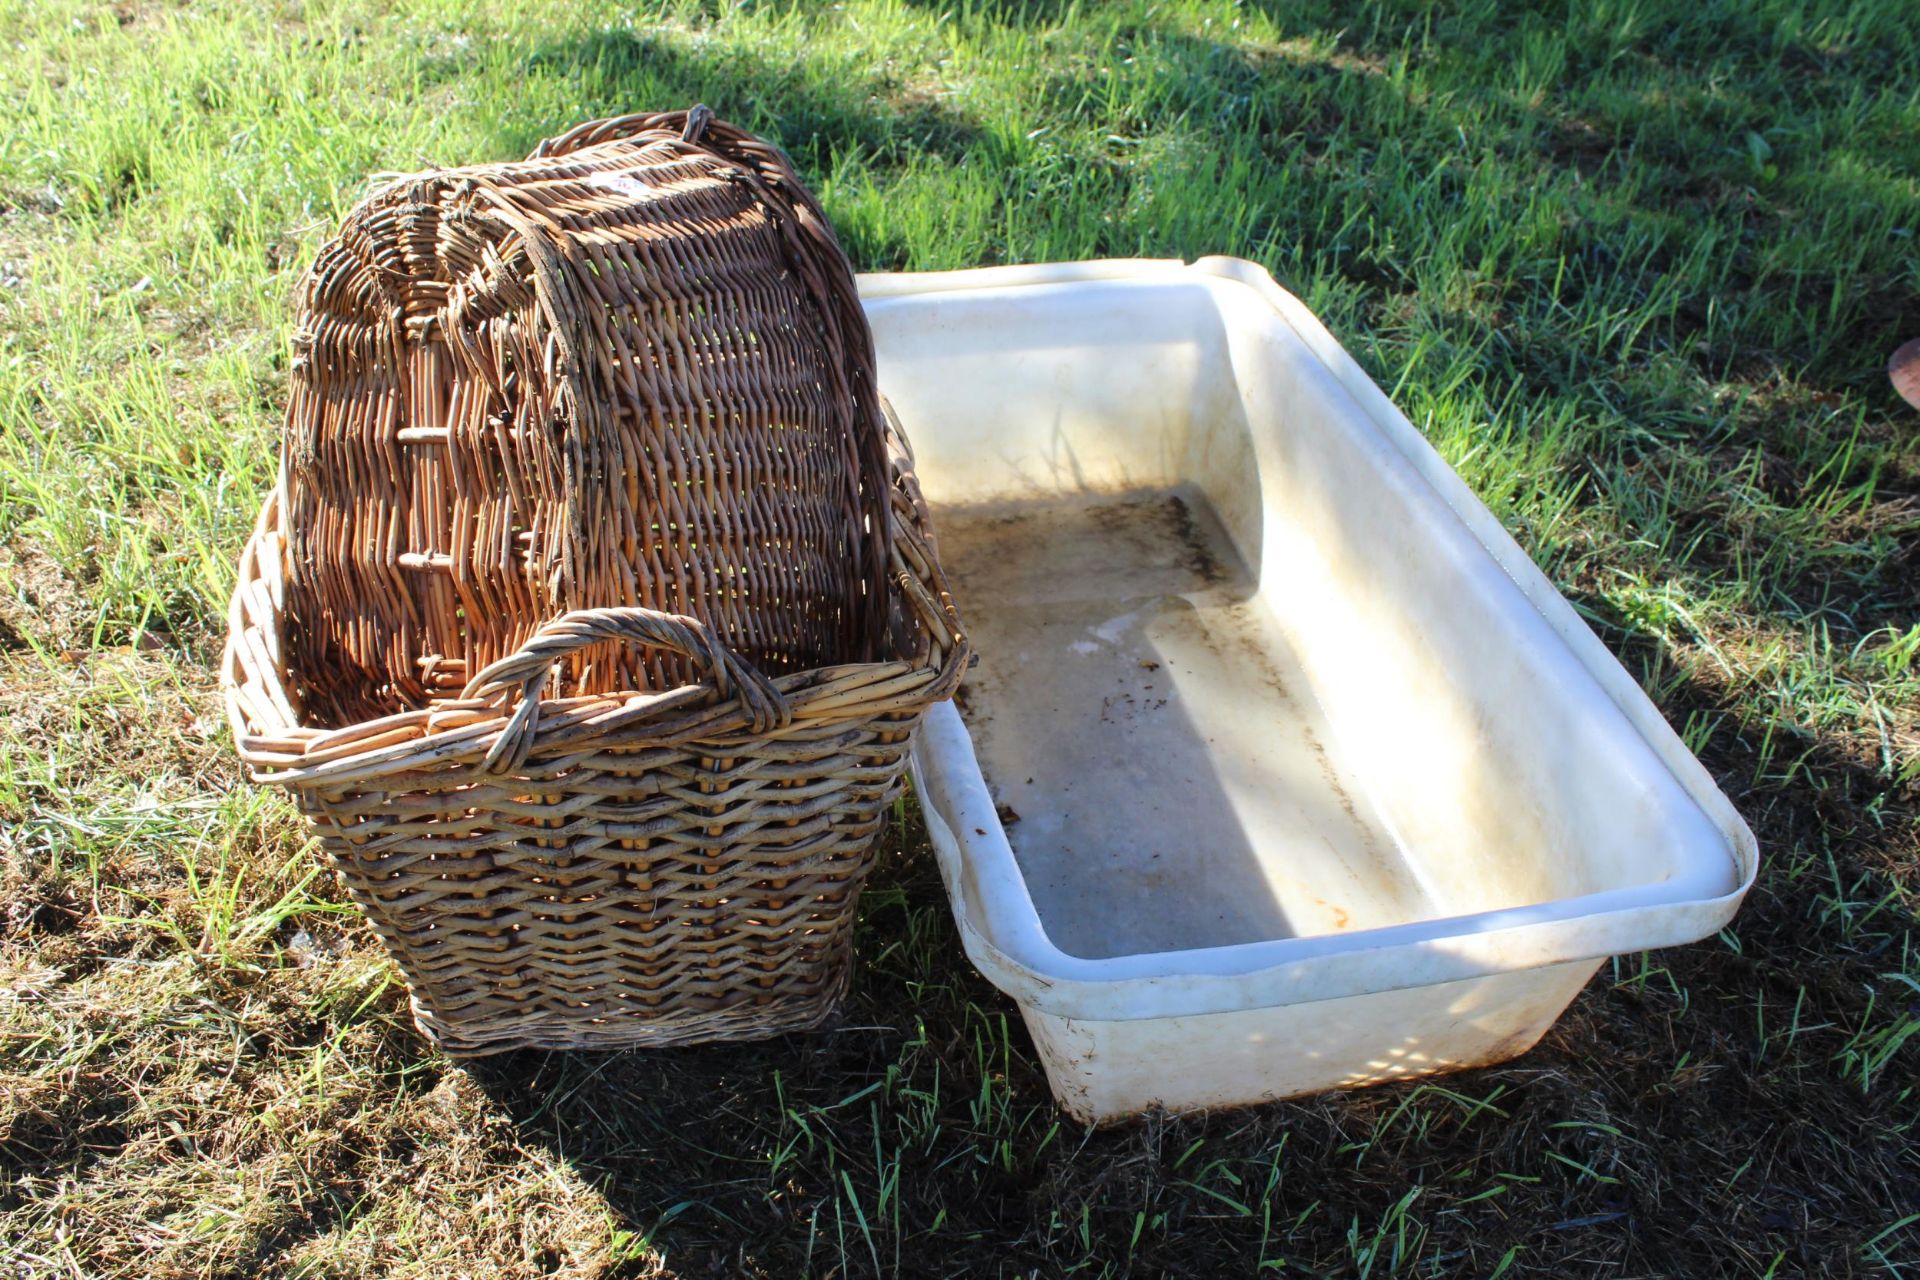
x: 623, y: 183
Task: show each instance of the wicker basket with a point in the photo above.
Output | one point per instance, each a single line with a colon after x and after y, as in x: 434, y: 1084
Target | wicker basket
x: 596, y: 698
x: 608, y: 870
x: 631, y: 370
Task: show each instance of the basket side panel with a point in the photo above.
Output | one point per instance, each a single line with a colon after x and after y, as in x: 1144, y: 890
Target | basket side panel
x: 633, y: 897
x: 724, y: 481
x: 412, y: 469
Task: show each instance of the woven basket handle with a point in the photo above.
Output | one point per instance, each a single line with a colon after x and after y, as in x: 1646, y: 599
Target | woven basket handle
x: 529, y: 669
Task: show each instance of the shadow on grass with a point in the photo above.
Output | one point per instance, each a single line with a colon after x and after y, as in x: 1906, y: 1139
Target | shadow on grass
x: 763, y: 1157
x: 819, y: 118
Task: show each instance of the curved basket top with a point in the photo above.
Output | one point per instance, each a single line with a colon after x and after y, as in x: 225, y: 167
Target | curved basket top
x: 631, y: 370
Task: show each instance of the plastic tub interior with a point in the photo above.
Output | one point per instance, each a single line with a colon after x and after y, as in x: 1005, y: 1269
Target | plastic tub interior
x: 1309, y: 777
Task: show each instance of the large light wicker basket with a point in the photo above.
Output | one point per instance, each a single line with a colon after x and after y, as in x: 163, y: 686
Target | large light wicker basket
x: 596, y: 604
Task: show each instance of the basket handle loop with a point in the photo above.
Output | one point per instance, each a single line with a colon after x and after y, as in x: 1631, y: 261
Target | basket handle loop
x: 697, y: 120
x: 529, y: 669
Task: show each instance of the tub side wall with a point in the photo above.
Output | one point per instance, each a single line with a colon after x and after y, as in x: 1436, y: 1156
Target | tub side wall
x: 1506, y: 774
x: 1047, y: 393
x: 1108, y: 1072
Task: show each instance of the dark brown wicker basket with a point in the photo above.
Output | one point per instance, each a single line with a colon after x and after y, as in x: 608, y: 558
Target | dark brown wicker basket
x: 631, y: 370
x: 604, y: 419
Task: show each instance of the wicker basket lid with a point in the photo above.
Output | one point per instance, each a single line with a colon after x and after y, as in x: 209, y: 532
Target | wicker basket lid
x: 630, y: 370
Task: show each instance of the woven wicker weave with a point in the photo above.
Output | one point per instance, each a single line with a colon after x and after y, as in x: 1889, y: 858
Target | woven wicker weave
x: 596, y: 606
x: 632, y: 370
x: 609, y: 870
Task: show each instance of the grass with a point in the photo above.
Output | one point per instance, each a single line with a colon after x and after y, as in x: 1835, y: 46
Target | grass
x: 1633, y: 266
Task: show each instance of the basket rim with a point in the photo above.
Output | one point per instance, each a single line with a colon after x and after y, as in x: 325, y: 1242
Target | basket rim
x: 455, y: 734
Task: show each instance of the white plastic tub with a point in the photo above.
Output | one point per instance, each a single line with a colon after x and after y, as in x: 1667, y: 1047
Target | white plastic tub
x: 1318, y: 781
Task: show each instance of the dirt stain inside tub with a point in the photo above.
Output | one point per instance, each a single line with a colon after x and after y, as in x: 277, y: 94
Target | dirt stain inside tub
x: 1138, y: 707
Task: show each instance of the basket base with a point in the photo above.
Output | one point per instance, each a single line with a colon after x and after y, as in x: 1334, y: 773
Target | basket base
x: 541, y: 1029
